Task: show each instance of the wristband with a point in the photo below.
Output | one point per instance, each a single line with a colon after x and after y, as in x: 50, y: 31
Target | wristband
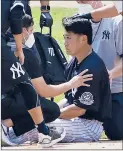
x: 45, y: 8
x: 87, y: 16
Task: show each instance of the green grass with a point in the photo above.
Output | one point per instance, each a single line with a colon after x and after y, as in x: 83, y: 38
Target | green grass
x: 57, y: 29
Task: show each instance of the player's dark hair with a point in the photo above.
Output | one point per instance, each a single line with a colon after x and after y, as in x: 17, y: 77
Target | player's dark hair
x: 78, y: 26
x: 27, y: 21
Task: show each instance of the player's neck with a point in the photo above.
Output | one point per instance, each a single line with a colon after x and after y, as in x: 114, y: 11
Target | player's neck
x: 84, y: 53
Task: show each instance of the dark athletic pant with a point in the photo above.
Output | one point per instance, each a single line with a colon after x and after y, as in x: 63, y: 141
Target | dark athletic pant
x: 13, y: 75
x: 13, y: 107
x: 114, y: 127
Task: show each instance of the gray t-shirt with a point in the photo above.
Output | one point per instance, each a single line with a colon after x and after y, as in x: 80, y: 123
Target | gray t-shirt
x: 108, y: 45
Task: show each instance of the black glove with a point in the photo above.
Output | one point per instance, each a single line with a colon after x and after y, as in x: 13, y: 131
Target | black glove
x: 46, y: 19
x: 86, y: 16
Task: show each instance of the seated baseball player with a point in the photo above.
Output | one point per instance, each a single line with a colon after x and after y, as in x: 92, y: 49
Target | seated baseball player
x: 87, y: 107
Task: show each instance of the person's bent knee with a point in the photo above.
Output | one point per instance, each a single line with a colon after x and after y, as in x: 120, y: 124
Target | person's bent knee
x: 56, y: 111
x: 52, y: 114
x: 29, y: 94
x: 115, y: 135
x: 113, y: 132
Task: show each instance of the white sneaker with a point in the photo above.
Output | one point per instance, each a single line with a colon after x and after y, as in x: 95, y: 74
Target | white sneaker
x: 53, y: 137
x: 5, y: 141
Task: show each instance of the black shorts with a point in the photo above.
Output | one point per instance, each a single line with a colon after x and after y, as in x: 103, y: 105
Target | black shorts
x: 12, y: 73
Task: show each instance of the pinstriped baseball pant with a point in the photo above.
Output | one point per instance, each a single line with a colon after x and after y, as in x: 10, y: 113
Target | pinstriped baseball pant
x: 77, y: 130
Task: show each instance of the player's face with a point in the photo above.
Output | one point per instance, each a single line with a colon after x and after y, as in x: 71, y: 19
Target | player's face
x: 73, y: 43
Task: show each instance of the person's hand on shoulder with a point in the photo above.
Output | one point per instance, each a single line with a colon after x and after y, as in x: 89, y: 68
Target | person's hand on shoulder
x: 81, y: 79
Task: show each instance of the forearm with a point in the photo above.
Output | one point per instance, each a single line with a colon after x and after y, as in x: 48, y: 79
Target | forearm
x: 54, y: 90
x: 45, y: 90
x: 44, y: 3
x: 18, y: 40
x: 71, y: 111
x: 104, y: 12
x: 117, y: 70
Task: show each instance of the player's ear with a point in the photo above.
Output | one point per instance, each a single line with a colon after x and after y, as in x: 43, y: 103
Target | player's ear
x: 84, y: 39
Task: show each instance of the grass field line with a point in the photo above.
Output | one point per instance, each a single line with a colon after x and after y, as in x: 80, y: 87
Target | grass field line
x: 65, y: 4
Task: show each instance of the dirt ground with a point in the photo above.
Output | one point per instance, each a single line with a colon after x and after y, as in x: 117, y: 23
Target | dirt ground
x: 103, y: 145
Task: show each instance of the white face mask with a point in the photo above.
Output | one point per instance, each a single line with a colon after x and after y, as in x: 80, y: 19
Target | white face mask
x: 30, y: 41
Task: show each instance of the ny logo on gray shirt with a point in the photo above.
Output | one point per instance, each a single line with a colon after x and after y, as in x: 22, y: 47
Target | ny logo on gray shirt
x: 106, y: 34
